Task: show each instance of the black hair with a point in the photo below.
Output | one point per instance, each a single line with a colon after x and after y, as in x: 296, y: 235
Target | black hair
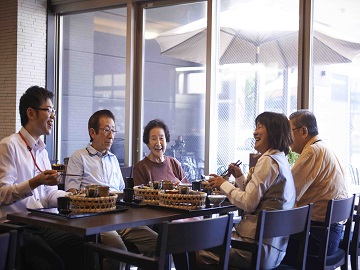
x: 156, y: 123
x: 305, y: 118
x: 278, y: 130
x: 33, y: 97
x: 94, y: 120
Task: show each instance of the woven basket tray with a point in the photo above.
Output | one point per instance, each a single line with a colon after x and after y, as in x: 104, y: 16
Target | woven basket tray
x: 183, y: 201
x: 89, y: 205
x: 149, y: 196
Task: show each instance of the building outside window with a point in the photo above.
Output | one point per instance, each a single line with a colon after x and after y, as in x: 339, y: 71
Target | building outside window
x: 256, y: 70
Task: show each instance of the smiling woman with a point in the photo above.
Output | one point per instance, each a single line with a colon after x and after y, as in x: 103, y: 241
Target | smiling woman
x: 156, y: 166
x: 269, y: 186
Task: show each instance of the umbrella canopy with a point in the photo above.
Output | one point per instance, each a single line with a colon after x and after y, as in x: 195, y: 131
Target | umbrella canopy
x: 270, y: 47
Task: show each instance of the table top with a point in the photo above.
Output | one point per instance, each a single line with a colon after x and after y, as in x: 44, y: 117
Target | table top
x: 133, y: 217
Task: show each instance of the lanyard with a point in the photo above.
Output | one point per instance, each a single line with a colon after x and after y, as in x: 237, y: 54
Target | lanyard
x: 29, y: 148
x: 317, y: 141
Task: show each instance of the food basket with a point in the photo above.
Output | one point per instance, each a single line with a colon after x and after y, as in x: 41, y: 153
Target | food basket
x: 147, y: 195
x: 191, y: 201
x: 82, y: 204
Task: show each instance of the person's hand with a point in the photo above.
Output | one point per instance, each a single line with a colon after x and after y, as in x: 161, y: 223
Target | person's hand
x: 177, y: 182
x: 234, y: 170
x: 48, y: 177
x: 215, y: 181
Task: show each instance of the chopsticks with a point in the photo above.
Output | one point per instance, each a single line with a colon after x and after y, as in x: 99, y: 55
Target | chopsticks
x: 237, y: 164
x: 70, y: 174
x: 63, y: 172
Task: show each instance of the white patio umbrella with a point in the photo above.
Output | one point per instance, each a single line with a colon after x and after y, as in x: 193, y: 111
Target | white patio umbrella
x: 270, y: 45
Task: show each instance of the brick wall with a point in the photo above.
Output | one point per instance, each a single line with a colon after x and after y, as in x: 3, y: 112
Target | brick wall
x: 8, y: 40
x: 22, y: 56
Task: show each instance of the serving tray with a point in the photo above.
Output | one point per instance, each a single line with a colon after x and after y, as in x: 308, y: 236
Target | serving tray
x: 54, y: 213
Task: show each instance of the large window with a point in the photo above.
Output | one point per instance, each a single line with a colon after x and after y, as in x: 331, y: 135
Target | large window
x: 93, y: 75
x: 257, y: 70
x: 257, y: 49
x: 335, y: 92
x: 174, y: 87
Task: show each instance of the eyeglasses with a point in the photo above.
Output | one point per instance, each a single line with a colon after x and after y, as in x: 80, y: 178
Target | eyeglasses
x: 49, y: 110
x: 296, y: 128
x: 108, y: 130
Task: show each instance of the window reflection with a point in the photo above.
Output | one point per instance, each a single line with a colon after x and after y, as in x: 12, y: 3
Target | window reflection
x: 93, y: 75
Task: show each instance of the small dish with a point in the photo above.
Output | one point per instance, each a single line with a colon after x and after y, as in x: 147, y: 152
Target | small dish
x: 217, y: 199
x: 120, y: 195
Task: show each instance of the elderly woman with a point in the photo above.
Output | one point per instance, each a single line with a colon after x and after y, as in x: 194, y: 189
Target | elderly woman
x: 156, y: 166
x: 269, y: 187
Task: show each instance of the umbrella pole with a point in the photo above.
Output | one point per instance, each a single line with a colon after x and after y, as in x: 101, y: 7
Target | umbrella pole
x: 256, y: 84
x: 286, y: 96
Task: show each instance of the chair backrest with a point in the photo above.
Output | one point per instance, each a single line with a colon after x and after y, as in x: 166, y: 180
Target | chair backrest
x: 126, y: 171
x: 279, y: 223
x: 354, y: 244
x: 285, y: 223
x: 188, y: 237
x: 8, y: 249
x: 337, y: 211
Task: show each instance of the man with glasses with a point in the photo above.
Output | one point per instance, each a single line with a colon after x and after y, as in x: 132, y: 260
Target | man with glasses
x: 318, y: 175
x: 98, y: 166
x: 27, y: 181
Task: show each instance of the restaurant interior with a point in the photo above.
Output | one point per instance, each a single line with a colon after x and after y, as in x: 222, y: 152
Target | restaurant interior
x: 179, y: 61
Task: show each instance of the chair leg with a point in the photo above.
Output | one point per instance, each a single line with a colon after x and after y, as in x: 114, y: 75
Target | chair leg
x: 354, y: 262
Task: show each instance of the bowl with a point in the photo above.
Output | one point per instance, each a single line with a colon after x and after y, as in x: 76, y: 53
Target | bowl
x: 120, y: 195
x: 216, y: 200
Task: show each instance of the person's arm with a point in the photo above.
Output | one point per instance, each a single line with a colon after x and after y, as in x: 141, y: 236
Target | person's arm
x: 265, y: 173
x: 119, y: 177
x: 178, y: 171
x: 75, y: 166
x: 52, y: 192
x: 11, y: 188
x: 304, y: 171
x: 140, y: 175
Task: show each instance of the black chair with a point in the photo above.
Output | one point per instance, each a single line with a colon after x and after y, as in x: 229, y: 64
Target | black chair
x: 354, y: 244
x: 178, y: 238
x: 8, y: 249
x: 12, y: 258
x: 295, y: 222
x: 337, y: 211
x: 126, y: 171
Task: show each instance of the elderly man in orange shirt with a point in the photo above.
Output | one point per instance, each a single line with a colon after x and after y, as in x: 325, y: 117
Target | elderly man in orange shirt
x: 318, y: 175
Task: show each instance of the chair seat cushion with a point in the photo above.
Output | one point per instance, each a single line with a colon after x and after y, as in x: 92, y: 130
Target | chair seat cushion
x: 335, y: 258
x: 311, y: 261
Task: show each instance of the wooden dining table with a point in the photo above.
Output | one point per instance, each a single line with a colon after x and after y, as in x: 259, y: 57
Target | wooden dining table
x: 90, y: 227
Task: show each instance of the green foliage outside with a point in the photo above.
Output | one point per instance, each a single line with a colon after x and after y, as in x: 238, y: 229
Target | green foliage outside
x: 292, y: 157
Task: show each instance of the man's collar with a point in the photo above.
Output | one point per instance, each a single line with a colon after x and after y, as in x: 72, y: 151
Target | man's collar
x: 92, y: 151
x: 313, y: 140
x: 34, y: 145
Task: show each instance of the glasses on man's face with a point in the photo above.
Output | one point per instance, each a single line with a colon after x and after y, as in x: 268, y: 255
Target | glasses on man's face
x: 296, y: 128
x: 51, y: 111
x: 107, y: 130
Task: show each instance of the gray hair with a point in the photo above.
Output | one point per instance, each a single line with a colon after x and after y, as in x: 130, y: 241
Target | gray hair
x: 305, y: 118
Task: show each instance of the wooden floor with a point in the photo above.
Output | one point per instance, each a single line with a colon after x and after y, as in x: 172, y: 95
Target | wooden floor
x: 349, y: 268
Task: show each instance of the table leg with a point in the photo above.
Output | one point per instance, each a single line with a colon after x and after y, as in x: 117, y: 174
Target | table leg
x: 89, y: 262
